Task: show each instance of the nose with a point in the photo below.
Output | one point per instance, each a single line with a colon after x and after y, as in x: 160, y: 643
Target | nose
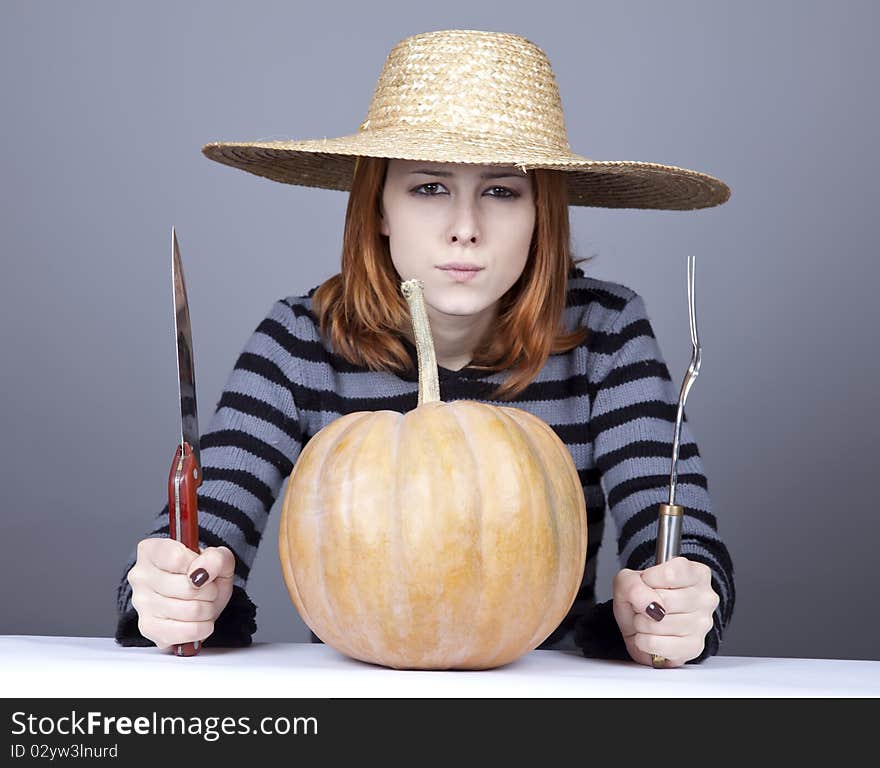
x: 464, y: 227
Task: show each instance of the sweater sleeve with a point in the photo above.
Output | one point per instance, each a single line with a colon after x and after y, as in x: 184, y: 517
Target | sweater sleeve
x: 632, y: 424
x: 248, y: 450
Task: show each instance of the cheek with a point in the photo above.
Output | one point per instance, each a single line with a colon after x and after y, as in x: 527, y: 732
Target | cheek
x: 515, y: 237
x: 508, y: 271
x: 517, y: 225
x: 408, y: 227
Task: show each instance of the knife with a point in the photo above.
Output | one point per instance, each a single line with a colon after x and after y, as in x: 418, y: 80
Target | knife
x: 186, y: 468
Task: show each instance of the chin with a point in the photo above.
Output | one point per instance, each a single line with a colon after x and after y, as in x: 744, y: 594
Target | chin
x: 456, y: 305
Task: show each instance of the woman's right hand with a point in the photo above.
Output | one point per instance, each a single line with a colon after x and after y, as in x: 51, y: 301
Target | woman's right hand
x: 172, y: 608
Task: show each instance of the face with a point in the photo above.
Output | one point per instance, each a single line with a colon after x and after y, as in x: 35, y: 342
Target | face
x: 473, y: 216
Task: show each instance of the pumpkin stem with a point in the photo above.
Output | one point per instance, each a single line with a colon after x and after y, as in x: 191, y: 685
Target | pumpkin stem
x: 429, y: 383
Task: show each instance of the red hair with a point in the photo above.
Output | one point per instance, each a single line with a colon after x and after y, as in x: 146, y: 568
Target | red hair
x: 363, y: 313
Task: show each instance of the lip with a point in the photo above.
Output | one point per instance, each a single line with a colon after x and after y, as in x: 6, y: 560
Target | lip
x: 461, y: 273
x: 460, y: 266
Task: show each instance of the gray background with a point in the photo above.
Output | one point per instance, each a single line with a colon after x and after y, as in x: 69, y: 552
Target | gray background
x: 105, y: 108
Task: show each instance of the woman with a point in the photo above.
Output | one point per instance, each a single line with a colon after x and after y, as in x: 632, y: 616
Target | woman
x: 461, y: 176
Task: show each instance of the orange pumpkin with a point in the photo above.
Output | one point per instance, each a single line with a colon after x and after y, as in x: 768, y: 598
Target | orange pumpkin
x: 450, y: 537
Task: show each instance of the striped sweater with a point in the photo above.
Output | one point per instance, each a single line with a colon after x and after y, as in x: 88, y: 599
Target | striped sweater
x: 611, y: 400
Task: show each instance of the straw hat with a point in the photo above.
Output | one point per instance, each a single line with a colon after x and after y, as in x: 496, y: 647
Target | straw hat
x: 465, y: 96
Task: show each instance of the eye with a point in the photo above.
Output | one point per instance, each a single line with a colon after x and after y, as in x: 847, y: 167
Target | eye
x: 506, y: 193
x: 431, y: 193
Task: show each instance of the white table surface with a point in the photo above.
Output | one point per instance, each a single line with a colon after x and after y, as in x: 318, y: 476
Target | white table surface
x: 83, y: 667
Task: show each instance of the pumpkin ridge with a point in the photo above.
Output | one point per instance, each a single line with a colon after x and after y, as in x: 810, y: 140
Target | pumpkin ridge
x: 487, y: 658
x: 538, y: 454
x: 289, y: 564
x: 480, y: 494
x: 506, y: 419
x: 283, y: 553
x: 497, y: 650
x: 319, y: 477
x: 577, y: 489
x: 363, y: 633
x: 396, y: 545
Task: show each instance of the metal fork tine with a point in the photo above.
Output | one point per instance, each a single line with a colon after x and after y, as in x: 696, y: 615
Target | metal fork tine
x: 692, y: 313
x: 692, y: 372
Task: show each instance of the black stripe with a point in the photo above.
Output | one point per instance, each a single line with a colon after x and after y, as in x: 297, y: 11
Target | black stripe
x: 648, y: 409
x: 602, y: 343
x: 596, y: 516
x: 648, y: 516
x: 589, y: 476
x: 645, y: 449
x: 549, y: 389
x: 263, y: 367
x: 571, y: 434
x: 309, y: 399
x: 625, y: 374
x: 625, y: 489
x: 261, y: 410
x: 236, y: 439
x: 212, y: 540
x: 245, y: 480
x: 283, y: 337
x: 307, y: 349
x: 233, y: 516
x: 584, y: 297
x: 301, y: 310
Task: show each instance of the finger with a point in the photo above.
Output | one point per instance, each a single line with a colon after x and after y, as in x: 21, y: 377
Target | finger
x: 213, y: 563
x: 624, y: 582
x: 184, y: 610
x: 178, y: 586
x: 677, y: 573
x: 673, y: 625
x: 166, y: 554
x: 687, y: 599
x: 641, y: 597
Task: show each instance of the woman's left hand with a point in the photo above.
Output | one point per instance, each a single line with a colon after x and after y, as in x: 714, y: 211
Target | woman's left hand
x: 680, y: 587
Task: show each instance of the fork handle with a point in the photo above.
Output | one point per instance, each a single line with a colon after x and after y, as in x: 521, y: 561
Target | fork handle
x: 668, y: 546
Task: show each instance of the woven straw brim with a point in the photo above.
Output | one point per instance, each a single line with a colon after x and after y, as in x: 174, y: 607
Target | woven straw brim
x: 329, y: 164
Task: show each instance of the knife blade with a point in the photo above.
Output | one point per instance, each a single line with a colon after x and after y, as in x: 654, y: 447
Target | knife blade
x: 185, y: 475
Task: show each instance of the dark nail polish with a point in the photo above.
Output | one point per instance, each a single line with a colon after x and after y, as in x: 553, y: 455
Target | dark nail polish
x: 655, y: 611
x: 199, y: 576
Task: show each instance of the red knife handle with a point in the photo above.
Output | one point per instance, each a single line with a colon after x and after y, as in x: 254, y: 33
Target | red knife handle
x: 183, y: 513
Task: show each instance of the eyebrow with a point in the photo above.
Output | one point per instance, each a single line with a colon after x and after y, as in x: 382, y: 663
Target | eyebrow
x: 491, y: 175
